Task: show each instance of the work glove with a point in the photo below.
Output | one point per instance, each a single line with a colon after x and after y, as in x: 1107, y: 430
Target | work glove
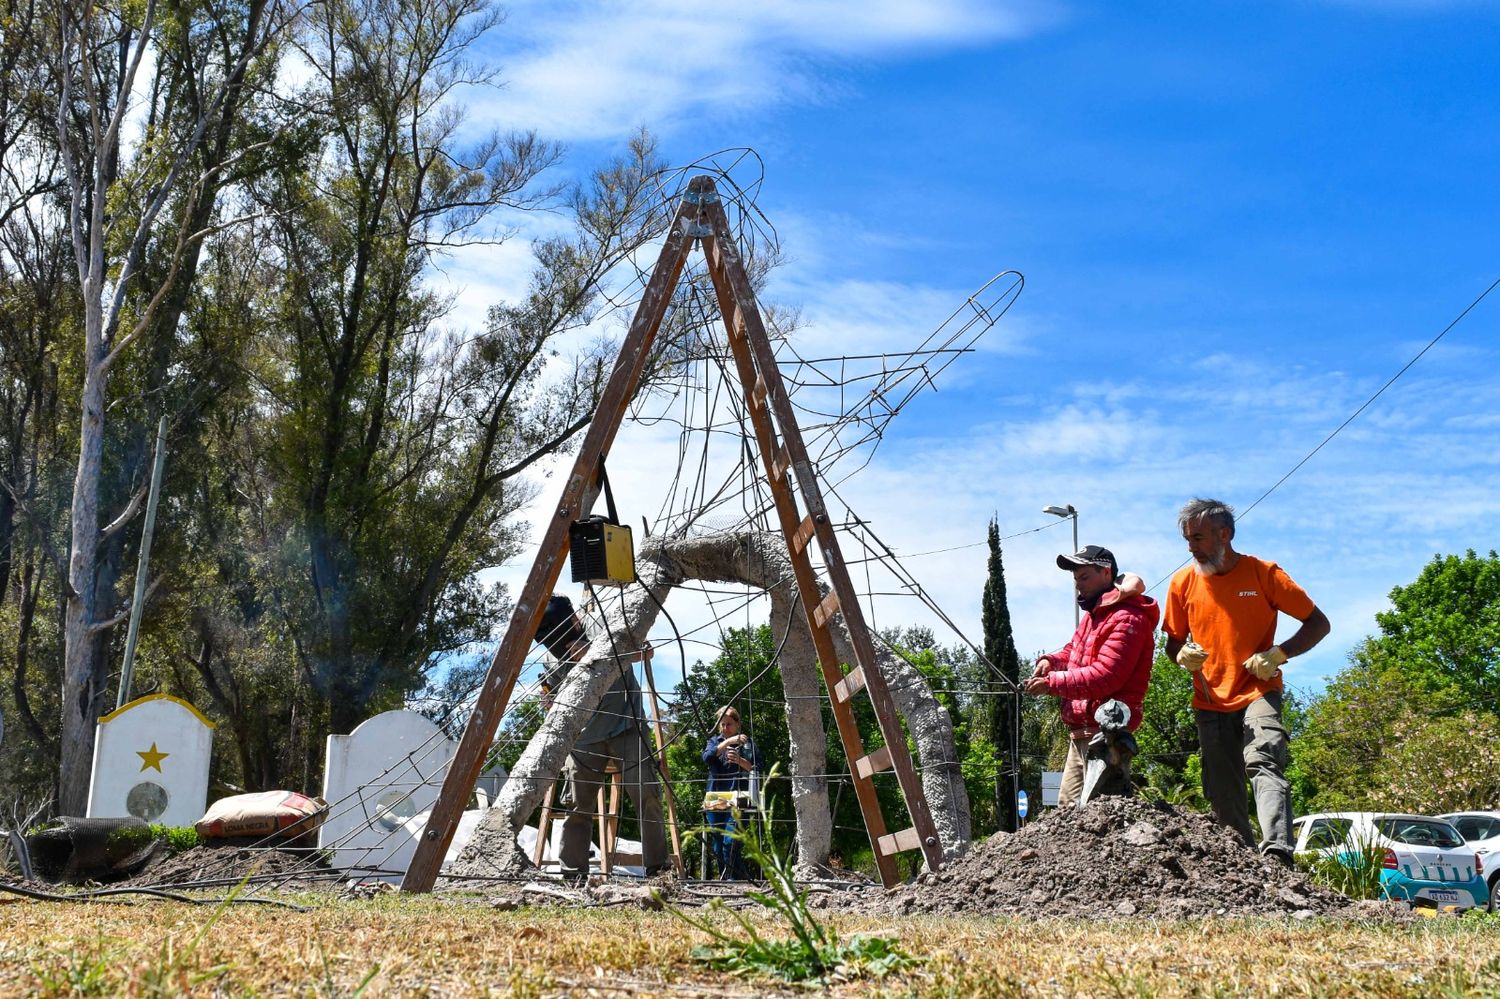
x: 1192, y: 656
x: 1265, y: 664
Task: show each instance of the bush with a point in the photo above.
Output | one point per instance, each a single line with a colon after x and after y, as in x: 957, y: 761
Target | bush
x: 179, y: 839
x: 1354, y: 872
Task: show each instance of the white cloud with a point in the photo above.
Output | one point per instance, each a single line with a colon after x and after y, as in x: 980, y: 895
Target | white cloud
x: 1396, y: 487
x: 592, y: 71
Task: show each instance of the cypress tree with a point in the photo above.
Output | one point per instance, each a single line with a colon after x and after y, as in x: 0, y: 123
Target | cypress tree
x: 1000, y: 650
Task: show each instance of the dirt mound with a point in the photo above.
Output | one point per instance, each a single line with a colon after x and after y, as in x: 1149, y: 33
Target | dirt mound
x: 1120, y: 857
x: 228, y: 865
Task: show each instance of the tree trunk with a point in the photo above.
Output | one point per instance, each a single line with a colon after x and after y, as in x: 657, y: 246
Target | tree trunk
x: 754, y: 559
x: 809, y: 741
x: 83, y: 682
x: 493, y: 847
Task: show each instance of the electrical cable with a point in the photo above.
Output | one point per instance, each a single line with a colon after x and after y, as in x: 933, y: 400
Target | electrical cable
x: 1352, y: 416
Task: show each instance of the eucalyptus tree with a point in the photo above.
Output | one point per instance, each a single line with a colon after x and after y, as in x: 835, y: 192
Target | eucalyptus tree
x: 135, y: 184
x: 384, y: 452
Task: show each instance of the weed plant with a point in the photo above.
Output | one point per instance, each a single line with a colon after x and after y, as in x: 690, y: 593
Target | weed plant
x: 813, y: 952
x: 1354, y: 871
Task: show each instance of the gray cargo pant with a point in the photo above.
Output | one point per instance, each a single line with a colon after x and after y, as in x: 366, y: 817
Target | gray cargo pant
x: 585, y: 775
x: 1250, y: 741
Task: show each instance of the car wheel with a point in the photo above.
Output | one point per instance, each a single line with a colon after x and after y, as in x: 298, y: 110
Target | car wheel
x: 1494, y: 885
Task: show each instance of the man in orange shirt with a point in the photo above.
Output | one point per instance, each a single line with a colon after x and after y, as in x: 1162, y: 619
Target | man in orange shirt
x: 1221, y: 624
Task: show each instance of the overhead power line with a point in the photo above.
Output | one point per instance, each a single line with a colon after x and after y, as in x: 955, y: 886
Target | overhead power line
x: 1354, y: 415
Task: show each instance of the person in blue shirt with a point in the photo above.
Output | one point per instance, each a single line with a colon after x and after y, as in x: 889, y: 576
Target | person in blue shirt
x: 730, y: 756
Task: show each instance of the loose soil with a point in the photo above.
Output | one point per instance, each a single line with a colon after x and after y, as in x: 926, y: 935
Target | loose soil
x: 1117, y: 858
x: 217, y: 866
x: 1120, y: 857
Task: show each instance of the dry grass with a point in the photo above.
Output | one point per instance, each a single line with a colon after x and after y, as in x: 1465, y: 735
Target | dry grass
x: 426, y: 946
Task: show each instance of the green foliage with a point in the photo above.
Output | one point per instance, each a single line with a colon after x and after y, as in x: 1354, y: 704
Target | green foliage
x: 1444, y: 628
x: 1345, y: 757
x: 1444, y: 764
x: 179, y: 838
x: 1168, y: 734
x: 978, y: 761
x: 78, y: 972
x: 813, y: 952
x: 1000, y: 650
x: 1354, y: 872
x: 520, y: 725
x: 1406, y: 723
x: 745, y: 675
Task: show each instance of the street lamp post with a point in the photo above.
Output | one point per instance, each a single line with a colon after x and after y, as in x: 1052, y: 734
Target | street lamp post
x: 1068, y: 511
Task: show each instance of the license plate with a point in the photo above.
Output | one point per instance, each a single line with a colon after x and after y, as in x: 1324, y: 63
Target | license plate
x: 1441, y: 894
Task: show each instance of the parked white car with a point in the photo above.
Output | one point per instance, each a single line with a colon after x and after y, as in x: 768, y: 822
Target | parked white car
x: 1426, y: 860
x: 1481, y: 830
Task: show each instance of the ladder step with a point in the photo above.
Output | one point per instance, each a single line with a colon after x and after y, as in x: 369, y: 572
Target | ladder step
x: 805, y: 532
x: 826, y: 609
x: 850, y: 685
x: 780, y: 464
x: 877, y: 762
x: 760, y: 390
x: 900, y: 842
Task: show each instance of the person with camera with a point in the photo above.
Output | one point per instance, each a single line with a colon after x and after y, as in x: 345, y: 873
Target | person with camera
x: 730, y: 756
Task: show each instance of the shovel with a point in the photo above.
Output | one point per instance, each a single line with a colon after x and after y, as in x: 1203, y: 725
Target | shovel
x: 1113, y: 746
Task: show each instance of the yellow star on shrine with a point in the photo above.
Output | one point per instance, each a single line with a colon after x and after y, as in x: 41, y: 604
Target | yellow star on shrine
x: 151, y: 758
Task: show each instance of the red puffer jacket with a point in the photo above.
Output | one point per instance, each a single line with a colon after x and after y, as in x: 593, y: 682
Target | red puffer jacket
x: 1109, y: 656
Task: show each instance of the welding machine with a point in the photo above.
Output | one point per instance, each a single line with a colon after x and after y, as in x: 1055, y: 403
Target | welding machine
x: 601, y: 552
x: 600, y: 548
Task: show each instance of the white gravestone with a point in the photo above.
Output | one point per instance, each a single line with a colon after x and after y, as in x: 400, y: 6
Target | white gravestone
x: 378, y: 777
x: 151, y: 760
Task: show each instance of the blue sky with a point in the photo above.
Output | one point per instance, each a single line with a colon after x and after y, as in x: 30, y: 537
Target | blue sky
x: 1236, y: 222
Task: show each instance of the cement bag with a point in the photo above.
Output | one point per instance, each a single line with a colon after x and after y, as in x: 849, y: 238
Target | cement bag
x: 266, y: 813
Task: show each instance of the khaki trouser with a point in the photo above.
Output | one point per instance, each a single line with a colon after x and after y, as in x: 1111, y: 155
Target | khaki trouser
x: 1253, y: 742
x: 1071, y: 789
x: 585, y: 775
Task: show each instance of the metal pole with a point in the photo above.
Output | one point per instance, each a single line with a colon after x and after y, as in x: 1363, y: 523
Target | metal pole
x: 1076, y: 611
x: 143, y: 563
x: 1015, y: 756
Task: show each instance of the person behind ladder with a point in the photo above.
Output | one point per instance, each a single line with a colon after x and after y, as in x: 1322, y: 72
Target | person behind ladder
x: 614, y: 734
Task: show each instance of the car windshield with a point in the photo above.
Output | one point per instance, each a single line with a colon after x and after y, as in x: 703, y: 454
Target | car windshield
x: 1420, y: 832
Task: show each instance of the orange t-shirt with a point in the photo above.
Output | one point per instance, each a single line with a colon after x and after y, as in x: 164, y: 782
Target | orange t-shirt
x: 1233, y: 616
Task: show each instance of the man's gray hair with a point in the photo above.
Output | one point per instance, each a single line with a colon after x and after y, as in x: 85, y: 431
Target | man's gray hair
x: 1218, y: 513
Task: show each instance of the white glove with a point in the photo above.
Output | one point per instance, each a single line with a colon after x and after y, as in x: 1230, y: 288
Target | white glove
x: 1265, y: 664
x: 1192, y: 656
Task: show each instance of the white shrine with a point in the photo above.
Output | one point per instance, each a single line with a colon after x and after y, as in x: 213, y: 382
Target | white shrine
x: 378, y: 777
x: 151, y: 761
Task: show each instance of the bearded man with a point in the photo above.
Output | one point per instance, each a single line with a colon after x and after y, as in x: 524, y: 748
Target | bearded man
x: 1220, y: 624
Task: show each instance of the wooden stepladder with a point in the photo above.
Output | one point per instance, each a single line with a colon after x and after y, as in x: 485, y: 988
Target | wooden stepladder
x: 701, y: 219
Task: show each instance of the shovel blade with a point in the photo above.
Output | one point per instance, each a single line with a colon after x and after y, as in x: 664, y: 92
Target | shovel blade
x: 1092, y: 771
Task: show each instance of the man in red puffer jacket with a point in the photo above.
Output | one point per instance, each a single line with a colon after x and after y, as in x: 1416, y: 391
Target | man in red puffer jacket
x: 1108, y: 658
